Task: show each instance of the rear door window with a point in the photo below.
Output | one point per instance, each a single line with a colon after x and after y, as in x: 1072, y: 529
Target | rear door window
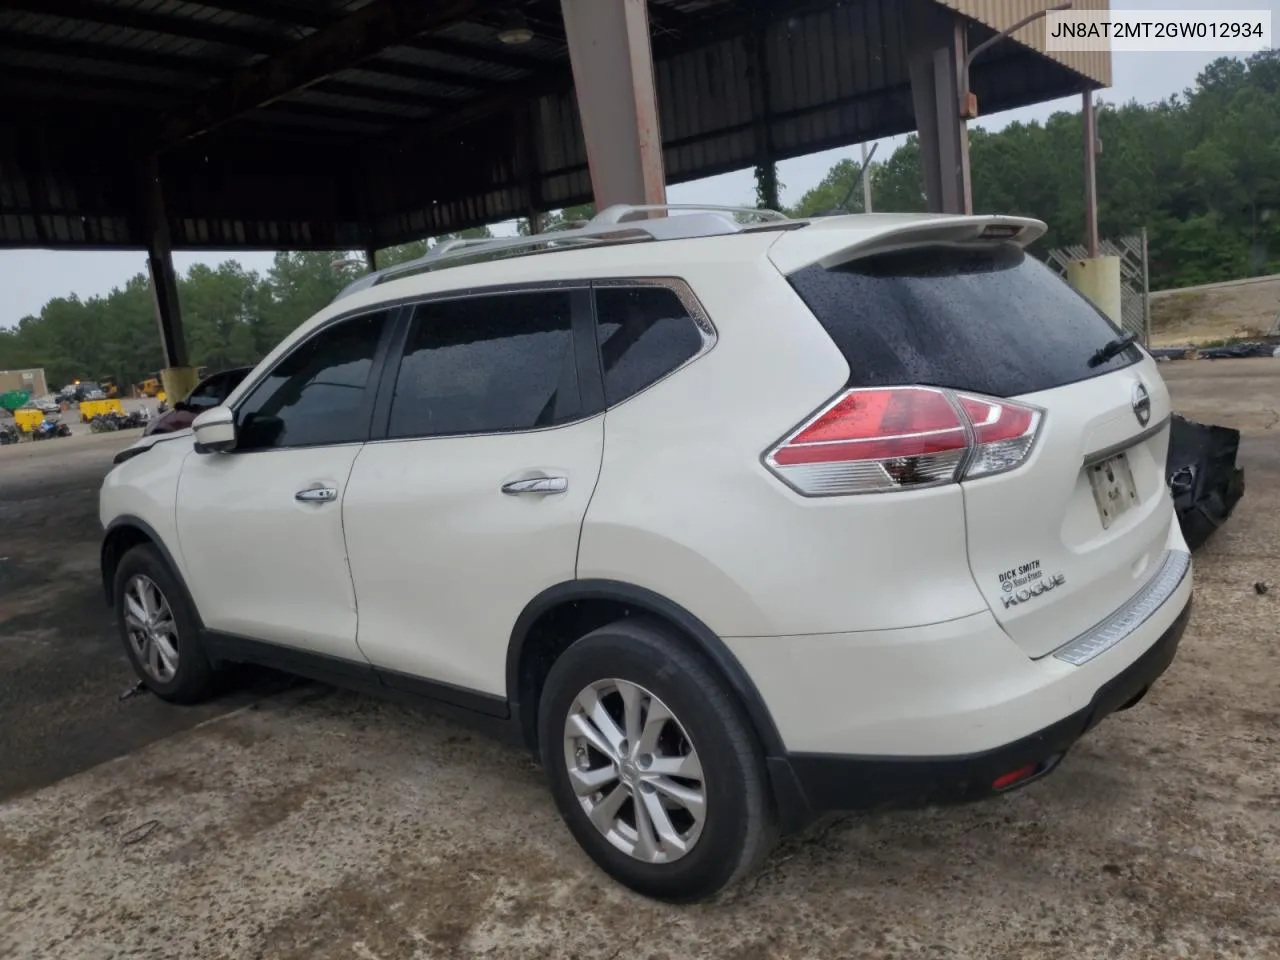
x: 488, y: 364
x: 993, y: 320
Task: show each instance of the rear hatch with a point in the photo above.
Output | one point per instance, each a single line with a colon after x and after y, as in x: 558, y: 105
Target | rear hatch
x: 1077, y: 523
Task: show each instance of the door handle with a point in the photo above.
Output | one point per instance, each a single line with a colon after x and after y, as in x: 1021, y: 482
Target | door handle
x: 317, y: 494
x: 537, y: 485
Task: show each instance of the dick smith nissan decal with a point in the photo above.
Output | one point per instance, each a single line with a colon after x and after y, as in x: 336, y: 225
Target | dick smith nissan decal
x: 1026, y: 582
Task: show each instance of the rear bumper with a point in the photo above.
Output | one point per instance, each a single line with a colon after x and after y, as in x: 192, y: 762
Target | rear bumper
x: 813, y: 783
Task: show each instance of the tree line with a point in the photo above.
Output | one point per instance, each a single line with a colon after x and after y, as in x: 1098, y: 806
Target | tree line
x: 1199, y: 170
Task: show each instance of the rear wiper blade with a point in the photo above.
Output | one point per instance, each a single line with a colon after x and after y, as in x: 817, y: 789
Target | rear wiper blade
x: 1112, y: 349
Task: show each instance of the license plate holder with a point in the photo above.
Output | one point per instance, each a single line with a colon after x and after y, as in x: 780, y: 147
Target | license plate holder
x: 1114, y: 491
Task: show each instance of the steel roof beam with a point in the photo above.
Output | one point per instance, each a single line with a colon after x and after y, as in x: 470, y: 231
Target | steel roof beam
x: 366, y: 115
x: 382, y: 94
x: 11, y: 77
x: 347, y: 43
x: 556, y: 76
x: 245, y: 39
x: 201, y: 67
x: 425, y: 74
x: 304, y: 15
x: 103, y: 53
x: 478, y: 52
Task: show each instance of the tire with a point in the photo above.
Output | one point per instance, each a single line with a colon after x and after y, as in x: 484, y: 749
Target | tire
x: 194, y: 679
x: 737, y: 829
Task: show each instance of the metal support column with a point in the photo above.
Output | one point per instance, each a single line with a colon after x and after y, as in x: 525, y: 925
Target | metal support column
x: 1097, y: 277
x: 759, y: 82
x: 371, y: 258
x: 177, y: 377
x: 526, y: 120
x: 866, y: 180
x: 1146, y: 290
x: 613, y: 76
x: 936, y: 57
x: 1090, y: 177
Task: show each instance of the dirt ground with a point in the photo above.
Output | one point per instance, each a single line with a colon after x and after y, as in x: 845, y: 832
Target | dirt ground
x: 318, y: 824
x: 1195, y: 316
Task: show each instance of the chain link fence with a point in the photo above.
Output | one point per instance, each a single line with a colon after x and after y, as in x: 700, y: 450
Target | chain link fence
x: 1135, y: 292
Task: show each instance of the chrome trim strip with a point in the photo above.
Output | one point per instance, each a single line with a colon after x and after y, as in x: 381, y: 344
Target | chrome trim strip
x: 1151, y: 596
x: 1107, y: 452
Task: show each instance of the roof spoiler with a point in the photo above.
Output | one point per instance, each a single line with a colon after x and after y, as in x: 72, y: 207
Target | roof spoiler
x: 834, y: 241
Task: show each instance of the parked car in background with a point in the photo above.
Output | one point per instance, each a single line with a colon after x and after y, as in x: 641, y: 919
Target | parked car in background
x: 729, y: 523
x: 81, y: 390
x: 210, y: 392
x: 46, y: 404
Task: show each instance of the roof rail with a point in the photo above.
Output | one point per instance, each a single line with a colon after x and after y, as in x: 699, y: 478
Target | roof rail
x: 613, y: 225
x: 623, y: 211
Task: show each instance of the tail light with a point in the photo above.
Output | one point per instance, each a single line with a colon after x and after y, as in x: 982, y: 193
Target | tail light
x: 902, y: 438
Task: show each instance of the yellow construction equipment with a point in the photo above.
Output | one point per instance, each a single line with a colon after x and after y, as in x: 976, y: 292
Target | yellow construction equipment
x: 149, y: 387
x: 93, y: 408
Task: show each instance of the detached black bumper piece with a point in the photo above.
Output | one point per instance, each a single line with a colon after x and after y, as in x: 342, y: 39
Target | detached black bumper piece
x: 1239, y: 351
x: 1203, y: 477
x: 826, y: 782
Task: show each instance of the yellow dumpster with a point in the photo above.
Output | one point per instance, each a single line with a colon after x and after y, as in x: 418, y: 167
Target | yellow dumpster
x: 28, y: 420
x: 93, y: 408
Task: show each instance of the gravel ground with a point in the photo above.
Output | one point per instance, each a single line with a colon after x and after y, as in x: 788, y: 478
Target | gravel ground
x: 61, y: 667
x: 320, y: 824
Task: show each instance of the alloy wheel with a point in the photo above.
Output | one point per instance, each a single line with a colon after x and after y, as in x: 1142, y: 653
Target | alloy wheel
x: 153, y: 633
x: 635, y: 771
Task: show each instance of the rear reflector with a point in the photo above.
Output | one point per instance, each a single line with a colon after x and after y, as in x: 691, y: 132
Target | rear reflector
x: 897, y: 438
x: 1014, y: 776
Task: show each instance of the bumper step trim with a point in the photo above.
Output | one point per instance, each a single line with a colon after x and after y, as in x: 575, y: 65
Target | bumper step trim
x: 1151, y: 596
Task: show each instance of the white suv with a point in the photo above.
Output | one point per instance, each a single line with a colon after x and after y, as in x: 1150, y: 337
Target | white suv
x: 730, y: 522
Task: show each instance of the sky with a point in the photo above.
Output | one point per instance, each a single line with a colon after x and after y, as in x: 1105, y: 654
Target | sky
x: 30, y: 278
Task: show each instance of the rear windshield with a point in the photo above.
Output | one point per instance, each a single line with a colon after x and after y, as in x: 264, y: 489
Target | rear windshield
x: 993, y: 320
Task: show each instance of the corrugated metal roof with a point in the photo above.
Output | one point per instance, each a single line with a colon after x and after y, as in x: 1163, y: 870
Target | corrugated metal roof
x: 1001, y: 14
x: 440, y: 131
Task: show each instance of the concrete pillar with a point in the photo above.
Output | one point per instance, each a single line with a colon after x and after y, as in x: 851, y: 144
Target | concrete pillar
x: 613, y: 77
x: 178, y: 378
x: 935, y: 58
x: 1098, y: 278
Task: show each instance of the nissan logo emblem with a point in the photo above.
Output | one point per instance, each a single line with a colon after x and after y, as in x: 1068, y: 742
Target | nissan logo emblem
x: 1141, y: 404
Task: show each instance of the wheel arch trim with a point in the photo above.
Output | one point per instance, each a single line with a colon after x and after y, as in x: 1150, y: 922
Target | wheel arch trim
x: 137, y: 523
x: 647, y: 601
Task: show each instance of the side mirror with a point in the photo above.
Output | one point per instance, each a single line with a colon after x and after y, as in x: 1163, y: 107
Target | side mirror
x: 215, y: 430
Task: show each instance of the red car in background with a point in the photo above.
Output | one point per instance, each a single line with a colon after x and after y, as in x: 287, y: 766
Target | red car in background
x: 212, y: 391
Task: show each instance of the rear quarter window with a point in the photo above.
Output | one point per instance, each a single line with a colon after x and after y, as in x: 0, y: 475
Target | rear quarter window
x: 992, y: 320
x: 644, y: 333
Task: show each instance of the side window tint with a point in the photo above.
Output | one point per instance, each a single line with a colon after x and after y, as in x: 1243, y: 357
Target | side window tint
x: 487, y: 364
x: 644, y: 333
x: 207, y: 393
x: 319, y: 393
